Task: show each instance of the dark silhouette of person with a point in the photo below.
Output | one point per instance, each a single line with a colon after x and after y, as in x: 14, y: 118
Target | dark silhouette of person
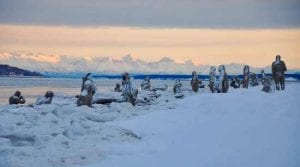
x: 17, y: 98
x: 278, y: 69
x: 118, y: 88
x: 195, y: 81
x: 246, y: 73
x: 235, y: 82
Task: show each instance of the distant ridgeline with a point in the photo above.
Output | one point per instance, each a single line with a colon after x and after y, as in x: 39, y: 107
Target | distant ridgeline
x: 6, y: 70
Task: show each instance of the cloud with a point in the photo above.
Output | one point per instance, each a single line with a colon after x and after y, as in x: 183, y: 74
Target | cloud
x: 154, y: 13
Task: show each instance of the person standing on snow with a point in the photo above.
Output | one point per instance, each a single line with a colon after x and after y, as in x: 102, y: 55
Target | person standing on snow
x: 223, y: 84
x: 212, y: 79
x: 246, y: 78
x: 278, y: 69
x: 195, y: 81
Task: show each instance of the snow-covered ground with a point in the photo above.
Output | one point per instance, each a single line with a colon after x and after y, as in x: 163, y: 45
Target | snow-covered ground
x: 240, y: 128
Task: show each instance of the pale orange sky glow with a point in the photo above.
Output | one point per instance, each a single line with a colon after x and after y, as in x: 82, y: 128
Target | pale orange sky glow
x: 256, y: 47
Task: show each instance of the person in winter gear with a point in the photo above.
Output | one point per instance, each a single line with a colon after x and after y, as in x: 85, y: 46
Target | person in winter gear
x: 146, y: 85
x: 278, y: 69
x: 235, y: 82
x: 118, y: 88
x: 177, y: 89
x: 253, y: 79
x: 263, y: 76
x: 267, y: 85
x: 212, y: 79
x: 222, y: 81
x: 88, y: 89
x: 246, y: 73
x: 195, y: 81
x: 129, y: 90
x: 47, y: 99
x: 17, y: 98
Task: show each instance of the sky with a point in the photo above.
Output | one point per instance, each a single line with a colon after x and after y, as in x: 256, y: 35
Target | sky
x: 207, y: 32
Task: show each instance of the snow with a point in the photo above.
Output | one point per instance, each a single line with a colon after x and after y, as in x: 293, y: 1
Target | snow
x: 245, y: 127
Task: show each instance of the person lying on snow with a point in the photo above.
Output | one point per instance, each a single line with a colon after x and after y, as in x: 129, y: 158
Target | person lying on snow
x: 129, y: 89
x: 88, y: 89
x: 47, y: 99
x: 17, y: 98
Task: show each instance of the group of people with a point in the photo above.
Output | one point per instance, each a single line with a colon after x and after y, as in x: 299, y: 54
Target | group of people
x: 218, y: 83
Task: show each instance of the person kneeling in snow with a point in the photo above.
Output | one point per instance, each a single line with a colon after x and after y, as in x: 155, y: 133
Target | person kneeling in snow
x: 88, y: 89
x: 129, y: 90
x: 223, y: 84
x: 118, y: 88
x: 47, y: 99
x: 267, y: 85
x: 195, y: 81
x: 17, y: 98
x: 146, y: 85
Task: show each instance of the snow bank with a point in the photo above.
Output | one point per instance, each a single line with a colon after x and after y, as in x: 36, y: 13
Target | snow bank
x: 240, y: 128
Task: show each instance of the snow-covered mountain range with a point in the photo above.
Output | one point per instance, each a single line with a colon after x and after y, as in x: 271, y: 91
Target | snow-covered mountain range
x: 106, y: 65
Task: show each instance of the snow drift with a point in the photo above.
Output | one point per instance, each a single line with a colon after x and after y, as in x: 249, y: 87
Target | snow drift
x: 245, y: 127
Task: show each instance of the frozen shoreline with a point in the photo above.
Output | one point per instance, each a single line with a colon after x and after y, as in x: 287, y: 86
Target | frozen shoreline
x: 240, y: 128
